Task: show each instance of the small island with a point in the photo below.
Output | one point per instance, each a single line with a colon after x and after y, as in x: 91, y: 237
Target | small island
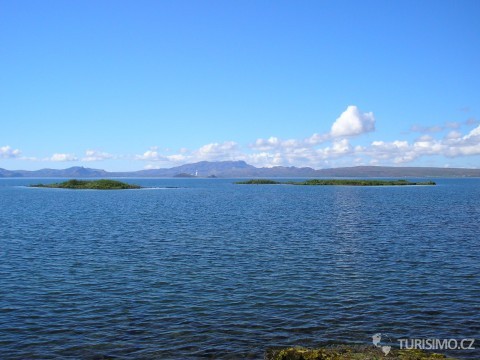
x: 351, y: 182
x: 103, y: 184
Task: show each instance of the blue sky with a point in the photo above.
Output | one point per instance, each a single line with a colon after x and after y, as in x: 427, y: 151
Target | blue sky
x: 127, y: 85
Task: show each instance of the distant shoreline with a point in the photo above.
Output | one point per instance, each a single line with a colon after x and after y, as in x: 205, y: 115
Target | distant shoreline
x: 240, y: 169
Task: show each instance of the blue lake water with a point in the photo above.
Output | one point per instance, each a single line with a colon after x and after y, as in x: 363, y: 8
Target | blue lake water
x: 223, y: 271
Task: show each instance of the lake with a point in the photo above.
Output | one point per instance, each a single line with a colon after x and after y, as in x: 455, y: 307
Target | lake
x: 216, y: 270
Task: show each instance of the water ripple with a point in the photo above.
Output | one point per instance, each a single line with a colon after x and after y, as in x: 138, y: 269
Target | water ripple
x: 214, y: 270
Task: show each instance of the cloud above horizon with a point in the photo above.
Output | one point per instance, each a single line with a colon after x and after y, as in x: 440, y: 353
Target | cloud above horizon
x: 306, y: 152
x: 352, y: 123
x: 333, y: 148
x: 62, y: 158
x: 95, y: 155
x: 451, y: 145
x: 6, y: 152
x: 228, y: 150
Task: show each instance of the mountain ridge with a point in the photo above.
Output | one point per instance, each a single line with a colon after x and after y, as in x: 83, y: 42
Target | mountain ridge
x: 230, y: 169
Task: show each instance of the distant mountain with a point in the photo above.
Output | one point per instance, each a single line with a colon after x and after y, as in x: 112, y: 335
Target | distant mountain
x: 73, y: 172
x: 233, y: 169
x: 202, y: 168
x: 8, y: 173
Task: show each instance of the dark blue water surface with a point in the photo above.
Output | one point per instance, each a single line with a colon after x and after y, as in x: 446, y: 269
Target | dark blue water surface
x: 224, y: 271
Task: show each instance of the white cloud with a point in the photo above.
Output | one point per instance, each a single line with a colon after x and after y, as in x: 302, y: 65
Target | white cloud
x: 452, y: 145
x: 341, y: 147
x: 316, y: 139
x: 6, y: 152
x: 273, y: 143
x: 338, y: 148
x: 303, y: 154
x: 474, y: 133
x: 333, y: 148
x: 94, y: 155
x: 62, y: 157
x: 466, y: 145
x: 228, y: 150
x: 217, y: 151
x: 352, y: 122
x: 274, y: 151
x: 401, y: 151
x: 265, y: 159
x: 453, y: 135
x: 266, y: 144
x: 151, y: 155
x: 176, y: 157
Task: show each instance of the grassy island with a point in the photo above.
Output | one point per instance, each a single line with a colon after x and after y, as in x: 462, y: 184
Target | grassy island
x: 103, y: 184
x: 258, y: 182
x: 355, y: 352
x: 351, y: 182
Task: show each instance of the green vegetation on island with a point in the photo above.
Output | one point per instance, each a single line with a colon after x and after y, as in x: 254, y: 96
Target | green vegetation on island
x: 351, y: 182
x: 355, y: 352
x: 103, y: 184
x: 258, y: 182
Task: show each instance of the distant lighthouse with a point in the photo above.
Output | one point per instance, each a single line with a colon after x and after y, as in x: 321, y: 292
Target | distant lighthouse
x: 196, y: 172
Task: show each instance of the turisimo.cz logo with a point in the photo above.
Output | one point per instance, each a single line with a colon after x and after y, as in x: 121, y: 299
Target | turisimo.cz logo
x: 437, y: 344
x: 423, y: 344
x: 377, y: 341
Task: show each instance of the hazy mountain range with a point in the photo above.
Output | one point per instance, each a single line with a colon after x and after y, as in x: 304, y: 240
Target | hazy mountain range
x: 230, y: 169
